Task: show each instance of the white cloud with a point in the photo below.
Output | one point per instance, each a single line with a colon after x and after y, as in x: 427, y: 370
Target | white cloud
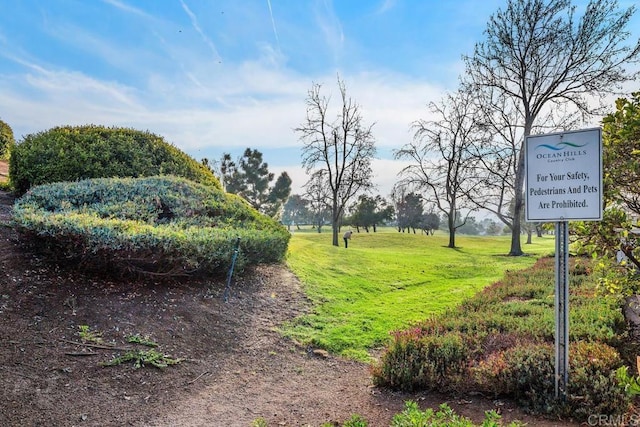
x: 206, y: 117
x: 330, y: 26
x: 387, y: 99
x: 385, y: 175
x: 385, y: 6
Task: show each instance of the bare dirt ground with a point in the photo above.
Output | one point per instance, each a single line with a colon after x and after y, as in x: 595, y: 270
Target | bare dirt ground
x: 236, y: 367
x: 4, y: 170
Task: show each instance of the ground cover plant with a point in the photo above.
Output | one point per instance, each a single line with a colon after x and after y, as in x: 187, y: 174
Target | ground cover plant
x: 157, y: 225
x: 412, y: 416
x: 443, y: 417
x: 388, y: 280
x: 501, y: 342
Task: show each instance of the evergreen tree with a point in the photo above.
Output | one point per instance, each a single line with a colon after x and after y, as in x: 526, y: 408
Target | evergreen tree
x: 249, y: 178
x: 6, y: 140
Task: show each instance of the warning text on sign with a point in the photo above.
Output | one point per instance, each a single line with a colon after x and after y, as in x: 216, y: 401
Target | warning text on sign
x: 564, y: 176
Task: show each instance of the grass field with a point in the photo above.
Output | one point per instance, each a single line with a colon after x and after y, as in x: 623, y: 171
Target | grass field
x: 387, y: 280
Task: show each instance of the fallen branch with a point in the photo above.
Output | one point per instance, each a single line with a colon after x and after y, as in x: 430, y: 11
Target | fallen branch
x: 81, y: 354
x: 198, y: 377
x: 99, y: 346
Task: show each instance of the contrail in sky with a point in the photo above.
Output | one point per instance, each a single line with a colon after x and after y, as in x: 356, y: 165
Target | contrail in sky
x: 273, y: 22
x: 127, y: 8
x: 196, y: 26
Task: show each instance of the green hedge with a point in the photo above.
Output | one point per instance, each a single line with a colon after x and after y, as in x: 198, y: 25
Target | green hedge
x: 73, y: 153
x: 165, y: 225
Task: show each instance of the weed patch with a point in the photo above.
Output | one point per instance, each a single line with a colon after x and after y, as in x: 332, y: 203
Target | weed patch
x: 87, y: 335
x: 443, y: 417
x: 138, y: 339
x: 141, y: 358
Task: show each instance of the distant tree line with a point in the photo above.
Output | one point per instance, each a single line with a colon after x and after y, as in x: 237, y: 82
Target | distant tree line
x: 408, y: 213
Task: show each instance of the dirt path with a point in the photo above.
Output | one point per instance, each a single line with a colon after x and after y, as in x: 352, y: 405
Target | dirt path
x: 236, y: 366
x: 4, y: 170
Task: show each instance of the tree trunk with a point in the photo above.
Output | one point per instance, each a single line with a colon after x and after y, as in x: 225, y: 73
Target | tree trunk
x: 335, y: 217
x: 516, y: 247
x: 452, y: 230
x: 529, y: 233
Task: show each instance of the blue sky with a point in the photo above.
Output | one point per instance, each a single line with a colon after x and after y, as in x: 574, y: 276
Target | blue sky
x: 215, y: 76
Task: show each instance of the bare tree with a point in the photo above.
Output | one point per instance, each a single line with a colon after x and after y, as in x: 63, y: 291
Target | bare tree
x: 538, y: 64
x: 318, y: 195
x: 342, y: 148
x: 441, y: 162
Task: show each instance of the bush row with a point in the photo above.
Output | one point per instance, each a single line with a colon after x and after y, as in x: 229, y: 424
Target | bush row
x: 72, y: 153
x: 165, y: 224
x: 500, y: 342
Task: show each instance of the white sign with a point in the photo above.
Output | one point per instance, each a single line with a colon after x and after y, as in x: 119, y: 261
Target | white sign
x: 563, y: 174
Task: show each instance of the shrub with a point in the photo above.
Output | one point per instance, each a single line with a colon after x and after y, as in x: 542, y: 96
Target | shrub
x: 415, y: 361
x: 166, y: 225
x: 74, y: 153
x: 506, y: 334
x: 527, y: 374
x: 593, y: 385
x: 7, y: 141
x: 356, y: 421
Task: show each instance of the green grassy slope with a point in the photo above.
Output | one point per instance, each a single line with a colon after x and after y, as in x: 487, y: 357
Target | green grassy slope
x: 387, y: 280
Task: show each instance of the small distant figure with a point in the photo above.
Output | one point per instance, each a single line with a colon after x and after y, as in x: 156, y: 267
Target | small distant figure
x: 346, y: 238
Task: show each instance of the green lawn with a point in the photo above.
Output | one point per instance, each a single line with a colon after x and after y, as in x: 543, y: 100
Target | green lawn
x: 387, y: 280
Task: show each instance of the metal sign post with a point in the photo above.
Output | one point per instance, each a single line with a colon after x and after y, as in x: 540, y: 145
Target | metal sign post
x: 563, y: 182
x: 562, y: 309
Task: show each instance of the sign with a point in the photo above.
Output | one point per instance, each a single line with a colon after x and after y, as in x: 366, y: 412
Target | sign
x: 563, y: 174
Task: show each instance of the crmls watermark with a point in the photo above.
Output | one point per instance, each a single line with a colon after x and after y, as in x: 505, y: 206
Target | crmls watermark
x: 614, y: 420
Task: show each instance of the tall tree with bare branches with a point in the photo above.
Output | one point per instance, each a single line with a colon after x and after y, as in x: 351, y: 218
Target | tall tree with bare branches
x: 341, y: 148
x: 541, y: 66
x: 441, y: 162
